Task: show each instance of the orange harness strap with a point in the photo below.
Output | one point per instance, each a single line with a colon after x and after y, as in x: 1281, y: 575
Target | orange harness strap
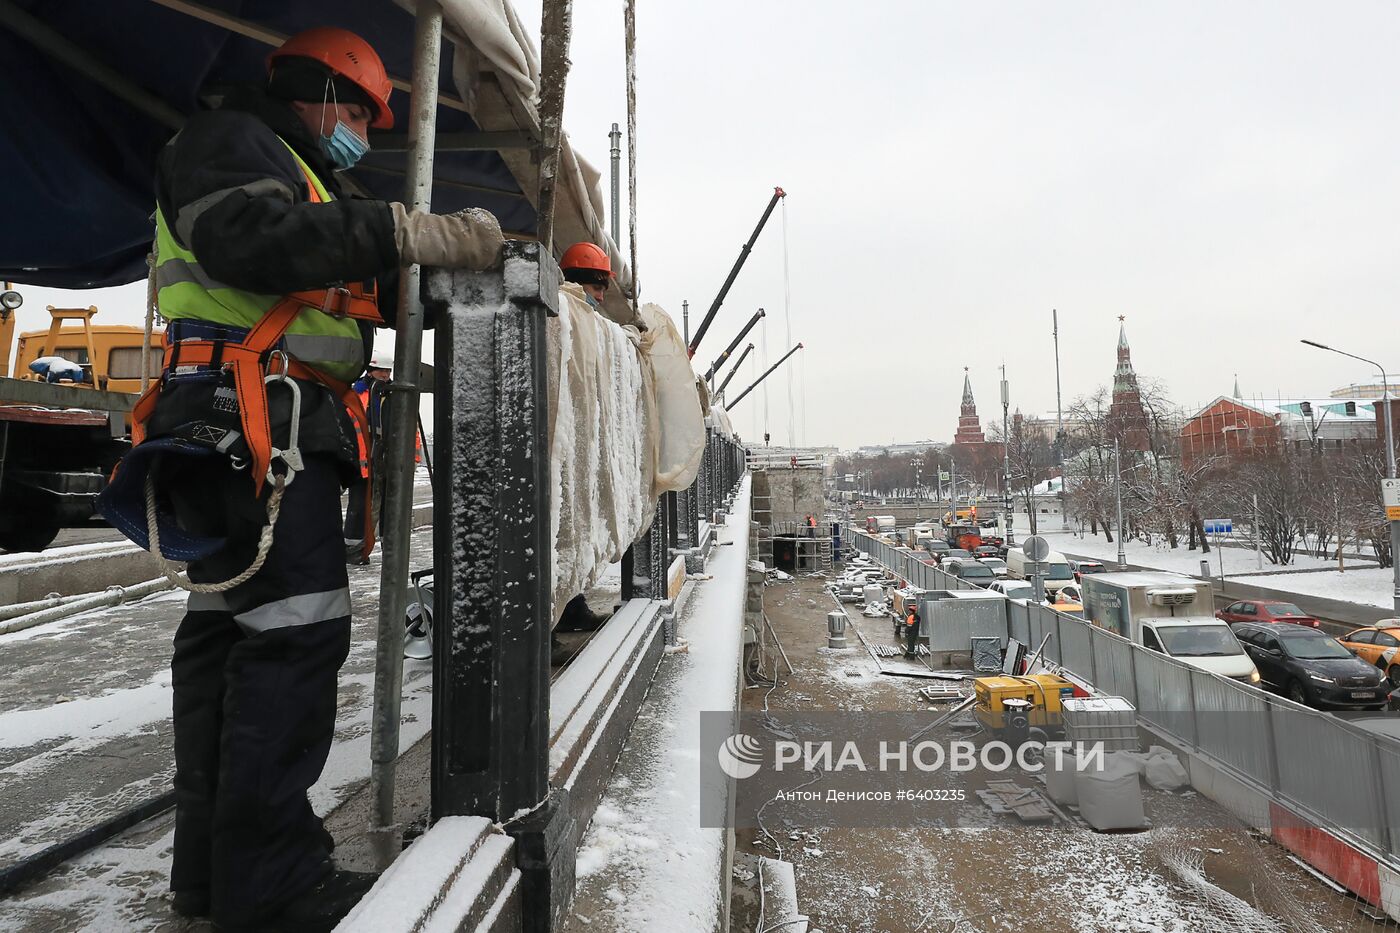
x: 248, y: 360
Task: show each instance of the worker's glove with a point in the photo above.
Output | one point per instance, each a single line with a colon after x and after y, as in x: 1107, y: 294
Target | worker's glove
x: 468, y: 239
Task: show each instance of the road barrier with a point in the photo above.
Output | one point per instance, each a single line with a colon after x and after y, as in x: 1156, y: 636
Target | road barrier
x: 1326, y: 788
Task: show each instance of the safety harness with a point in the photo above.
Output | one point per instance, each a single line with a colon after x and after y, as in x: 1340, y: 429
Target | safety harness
x: 250, y: 364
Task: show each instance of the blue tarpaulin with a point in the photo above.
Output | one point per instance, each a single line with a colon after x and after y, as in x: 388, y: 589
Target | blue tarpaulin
x: 77, y: 161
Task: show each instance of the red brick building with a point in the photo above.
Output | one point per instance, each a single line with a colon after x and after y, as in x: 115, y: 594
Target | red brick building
x: 1228, y: 426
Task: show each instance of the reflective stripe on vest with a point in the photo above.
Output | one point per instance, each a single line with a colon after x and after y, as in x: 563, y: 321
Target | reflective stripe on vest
x: 185, y: 291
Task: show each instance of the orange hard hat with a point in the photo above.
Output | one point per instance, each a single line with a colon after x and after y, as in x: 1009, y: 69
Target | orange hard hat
x: 586, y: 255
x: 347, y: 55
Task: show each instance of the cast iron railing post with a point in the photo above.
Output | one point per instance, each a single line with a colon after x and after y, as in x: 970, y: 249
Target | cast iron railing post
x: 490, y: 736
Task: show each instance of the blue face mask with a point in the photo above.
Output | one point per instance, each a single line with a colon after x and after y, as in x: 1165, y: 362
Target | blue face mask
x: 591, y: 300
x: 344, y: 147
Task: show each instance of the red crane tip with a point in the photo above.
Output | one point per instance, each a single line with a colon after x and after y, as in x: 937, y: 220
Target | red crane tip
x: 801, y: 347
x: 780, y: 192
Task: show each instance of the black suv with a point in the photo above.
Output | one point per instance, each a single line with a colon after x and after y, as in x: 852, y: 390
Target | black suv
x: 1311, y: 667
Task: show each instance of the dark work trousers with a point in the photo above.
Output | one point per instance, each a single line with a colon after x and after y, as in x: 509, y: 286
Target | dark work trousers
x: 254, y: 675
x: 911, y: 637
x: 355, y: 513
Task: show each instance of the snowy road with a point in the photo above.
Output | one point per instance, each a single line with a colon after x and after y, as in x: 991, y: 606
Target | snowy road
x: 85, y: 713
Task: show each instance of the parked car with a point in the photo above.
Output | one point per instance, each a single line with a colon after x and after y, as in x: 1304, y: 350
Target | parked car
x: 1013, y: 589
x: 1312, y: 668
x: 1378, y: 644
x: 938, y: 548
x: 1254, y: 610
x: 1081, y: 567
x: 969, y: 569
x: 997, y: 564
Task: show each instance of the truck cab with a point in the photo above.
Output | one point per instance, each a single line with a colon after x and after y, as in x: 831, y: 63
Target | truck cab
x: 58, y: 443
x: 1167, y: 612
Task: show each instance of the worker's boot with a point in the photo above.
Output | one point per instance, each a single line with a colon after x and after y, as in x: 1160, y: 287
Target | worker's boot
x: 191, y: 903
x: 318, y: 910
x: 578, y: 617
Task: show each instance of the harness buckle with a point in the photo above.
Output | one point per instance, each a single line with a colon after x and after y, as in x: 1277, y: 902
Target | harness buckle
x: 291, y: 455
x: 337, y: 303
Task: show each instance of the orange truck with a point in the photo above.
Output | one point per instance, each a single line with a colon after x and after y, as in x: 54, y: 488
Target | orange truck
x: 59, y: 442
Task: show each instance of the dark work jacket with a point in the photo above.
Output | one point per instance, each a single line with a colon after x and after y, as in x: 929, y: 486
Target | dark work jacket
x: 233, y: 194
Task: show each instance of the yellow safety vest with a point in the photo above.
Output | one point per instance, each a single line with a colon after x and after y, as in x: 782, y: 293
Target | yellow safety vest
x: 185, y: 292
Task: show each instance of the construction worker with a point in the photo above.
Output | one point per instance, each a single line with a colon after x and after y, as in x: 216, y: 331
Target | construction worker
x: 586, y: 265
x: 267, y: 270
x: 371, y: 389
x: 911, y: 631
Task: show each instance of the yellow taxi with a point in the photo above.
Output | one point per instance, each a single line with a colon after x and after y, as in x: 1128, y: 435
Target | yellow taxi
x: 1380, y: 645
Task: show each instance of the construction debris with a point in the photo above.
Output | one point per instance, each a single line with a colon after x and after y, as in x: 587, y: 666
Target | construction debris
x: 939, y: 693
x: 1010, y: 797
x: 894, y: 651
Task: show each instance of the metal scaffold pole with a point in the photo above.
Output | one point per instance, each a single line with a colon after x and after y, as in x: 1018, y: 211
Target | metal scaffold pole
x: 400, y: 427
x: 615, y: 138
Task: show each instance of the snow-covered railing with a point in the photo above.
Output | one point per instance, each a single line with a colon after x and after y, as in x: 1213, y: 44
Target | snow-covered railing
x: 525, y: 383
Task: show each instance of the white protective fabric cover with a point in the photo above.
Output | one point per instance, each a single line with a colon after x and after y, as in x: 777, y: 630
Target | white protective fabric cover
x: 681, y: 439
x: 624, y: 427
x: 603, y: 438
x: 500, y: 44
x: 1163, y: 769
x: 719, y: 420
x: 1111, y: 798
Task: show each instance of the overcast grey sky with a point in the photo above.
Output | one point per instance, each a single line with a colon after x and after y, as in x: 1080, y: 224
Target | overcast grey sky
x: 1223, y: 174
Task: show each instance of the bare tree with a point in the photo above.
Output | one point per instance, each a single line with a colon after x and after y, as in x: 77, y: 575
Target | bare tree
x: 1030, y: 456
x: 1275, y: 478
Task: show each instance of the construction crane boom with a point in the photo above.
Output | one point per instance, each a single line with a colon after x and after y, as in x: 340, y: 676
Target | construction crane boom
x: 765, y: 375
x: 778, y: 193
x: 733, y: 372
x: 714, y: 367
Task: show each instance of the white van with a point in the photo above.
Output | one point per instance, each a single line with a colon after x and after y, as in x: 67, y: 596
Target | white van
x: 1155, y: 610
x: 1055, y: 568
x: 1204, y: 642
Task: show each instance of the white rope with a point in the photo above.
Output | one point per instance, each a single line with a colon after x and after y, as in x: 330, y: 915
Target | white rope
x: 787, y: 323
x: 764, y: 331
x: 169, y: 568
x: 629, y: 24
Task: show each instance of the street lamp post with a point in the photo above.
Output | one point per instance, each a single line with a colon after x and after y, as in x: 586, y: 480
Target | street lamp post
x: 1118, y: 505
x: 1059, y: 422
x: 1007, y: 504
x: 1389, y: 468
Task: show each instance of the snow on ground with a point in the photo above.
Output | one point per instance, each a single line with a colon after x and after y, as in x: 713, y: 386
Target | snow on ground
x: 70, y: 552
x: 1363, y: 582
x: 85, y: 713
x: 1372, y: 586
x: 645, y: 855
x: 1238, y: 560
x: 86, y: 721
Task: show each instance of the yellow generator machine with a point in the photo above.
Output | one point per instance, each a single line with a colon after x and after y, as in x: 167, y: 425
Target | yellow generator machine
x: 1011, y: 707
